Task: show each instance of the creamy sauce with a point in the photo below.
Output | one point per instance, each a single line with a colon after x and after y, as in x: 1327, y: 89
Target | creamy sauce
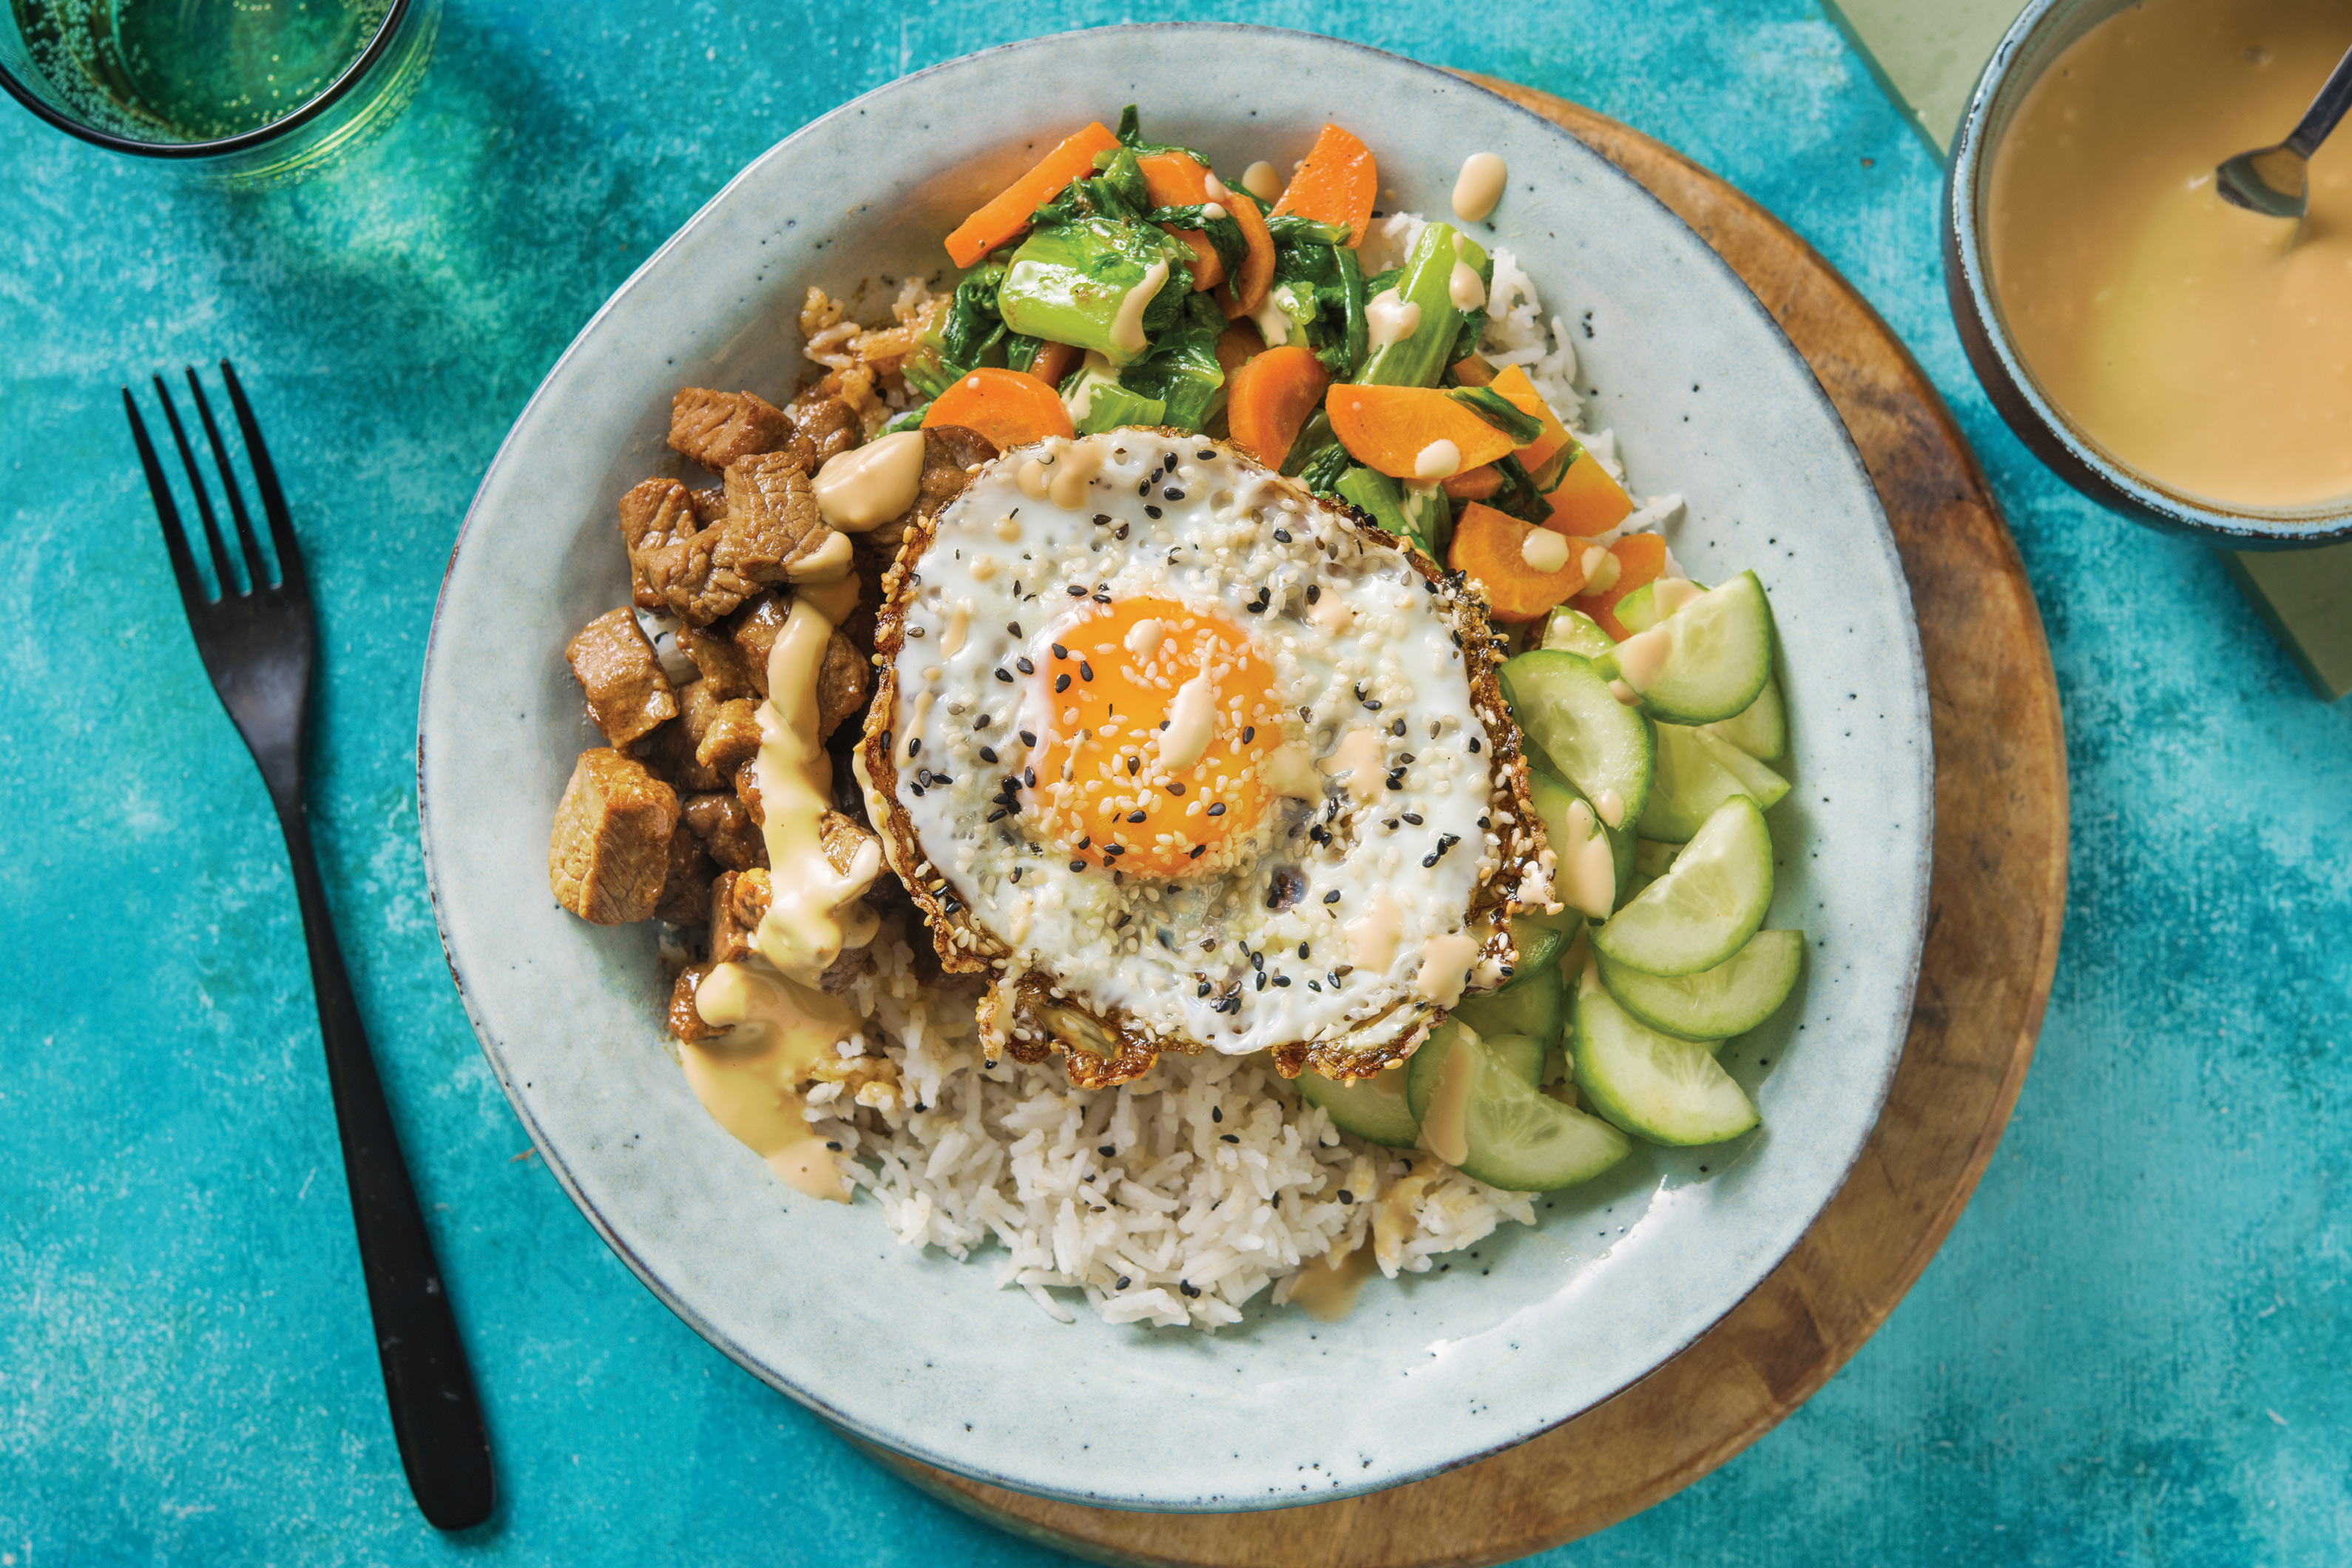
x: 1360, y: 758
x: 1326, y: 1289
x: 1331, y: 615
x: 1444, y: 966
x: 958, y: 627
x: 1032, y: 479
x: 1445, y: 1130
x: 1073, y: 474
x: 1191, y: 722
x: 816, y: 910
x: 2208, y: 347
x: 833, y: 600
x: 1389, y: 318
x: 1642, y: 657
x: 1394, y: 1221
x: 1465, y: 288
x: 1624, y: 694
x: 868, y: 486
x: 827, y: 563
x: 1372, y: 936
x: 1585, y: 878
x: 1273, y: 322
x: 1126, y: 327
x: 1262, y: 180
x: 1218, y: 191
x: 1438, y: 460
x: 749, y: 1078
x: 1479, y: 186
x: 1673, y: 596
x: 1290, y: 771
x: 1544, y: 551
x: 1612, y: 807
x: 1600, y: 568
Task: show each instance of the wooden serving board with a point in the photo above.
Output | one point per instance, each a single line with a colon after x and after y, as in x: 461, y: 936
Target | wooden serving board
x: 1995, y: 903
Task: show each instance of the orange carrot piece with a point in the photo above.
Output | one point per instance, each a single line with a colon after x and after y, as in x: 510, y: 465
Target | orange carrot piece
x: 1521, y: 392
x: 1271, y: 398
x: 1472, y: 370
x: 1389, y: 427
x: 1006, y: 214
x: 1173, y: 180
x: 1054, y: 363
x: 1640, y: 558
x: 1249, y: 286
x: 1336, y: 185
x: 1474, y: 484
x: 1010, y: 407
x: 1491, y: 547
x: 1587, y: 502
x: 1237, y: 345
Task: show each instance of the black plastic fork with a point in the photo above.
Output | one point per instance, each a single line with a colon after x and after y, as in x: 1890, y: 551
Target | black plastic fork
x: 256, y: 640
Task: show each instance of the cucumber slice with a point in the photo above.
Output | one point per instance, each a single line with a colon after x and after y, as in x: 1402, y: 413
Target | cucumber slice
x: 1540, y: 939
x: 1371, y: 1108
x: 1760, y: 729
x: 1705, y: 663
x: 1585, y: 861
x: 1537, y: 1008
x: 1696, y: 774
x: 1653, y: 601
x: 1512, y: 1135
x: 1523, y: 1056
x: 1599, y: 745
x: 1657, y: 1085
x: 1651, y: 858
x: 1573, y: 631
x: 1706, y: 906
x: 1715, y: 1003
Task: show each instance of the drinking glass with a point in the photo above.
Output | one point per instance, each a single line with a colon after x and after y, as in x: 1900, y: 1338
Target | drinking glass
x: 239, y: 92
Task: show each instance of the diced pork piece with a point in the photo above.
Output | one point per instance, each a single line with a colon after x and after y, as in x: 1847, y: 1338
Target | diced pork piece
x: 948, y: 453
x: 830, y: 425
x: 654, y: 516
x: 746, y: 790
x: 685, y: 893
x: 724, y: 668
x: 841, y: 681
x: 732, y: 738
x: 609, y: 854
x: 755, y: 629
x: 843, y: 839
x: 736, y: 905
x: 617, y: 668
x: 771, y: 527
x: 715, y: 428
x: 723, y: 823
x: 685, y: 1022
x: 707, y: 506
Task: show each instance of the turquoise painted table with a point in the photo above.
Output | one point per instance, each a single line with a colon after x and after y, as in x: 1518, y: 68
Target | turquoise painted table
x: 2133, y: 1349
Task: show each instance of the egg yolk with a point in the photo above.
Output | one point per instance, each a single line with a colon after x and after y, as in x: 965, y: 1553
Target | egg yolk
x: 1161, y: 717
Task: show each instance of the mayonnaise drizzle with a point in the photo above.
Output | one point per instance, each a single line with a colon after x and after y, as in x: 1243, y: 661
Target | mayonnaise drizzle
x: 1191, y: 722
x: 1543, y: 549
x: 749, y: 1078
x: 1445, y: 1130
x: 1389, y: 318
x: 868, y: 486
x: 1444, y: 965
x: 1262, y: 180
x: 1584, y: 877
x: 1465, y: 288
x: 1372, y: 936
x: 1126, y: 327
x: 1479, y: 186
x: 1439, y: 459
x: 1360, y: 757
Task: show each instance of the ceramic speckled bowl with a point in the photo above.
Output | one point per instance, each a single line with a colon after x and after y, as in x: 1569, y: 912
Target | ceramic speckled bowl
x: 922, y: 1354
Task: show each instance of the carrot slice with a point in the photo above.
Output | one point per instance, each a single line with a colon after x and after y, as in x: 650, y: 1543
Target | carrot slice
x: 1006, y: 214
x: 1474, y: 484
x: 1336, y: 185
x: 1173, y: 180
x: 1256, y: 276
x: 1389, y: 427
x: 1521, y: 392
x: 1054, y: 363
x: 1587, y: 502
x: 1237, y: 345
x: 1008, y: 406
x: 1272, y: 398
x: 1472, y: 370
x: 1640, y: 558
x: 1493, y: 548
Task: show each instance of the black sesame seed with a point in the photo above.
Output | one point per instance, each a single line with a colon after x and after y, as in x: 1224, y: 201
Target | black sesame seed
x: 1429, y: 859
x: 1102, y: 519
x: 1016, y: 872
x: 1203, y: 991
x: 1119, y: 533
x: 1332, y: 897
x: 1216, y: 1113
x: 1333, y: 977
x: 1404, y: 757
x: 1101, y: 595
x: 1207, y: 457
x: 984, y: 721
x: 1061, y: 683
x: 1249, y: 733
x: 1134, y: 766
x: 917, y: 789
x: 1188, y: 1288
x: 1085, y: 670
x: 987, y: 755
x: 1152, y: 511
x: 1302, y: 949
x: 1282, y: 536
x: 1473, y: 743
x: 996, y: 815
x: 1175, y: 786
x: 1218, y: 809
x: 1257, y: 960
x: 1315, y: 985
x: 941, y: 779
x: 1138, y: 817
x: 1123, y: 1280
x: 1145, y: 488
x: 1346, y: 1197
x: 1112, y: 852
x: 1395, y: 729
x: 1027, y: 739
x: 1077, y: 590
x: 1023, y: 666
x: 915, y: 746
x: 1396, y: 779
x: 1282, y: 980
x: 1029, y: 777
x: 1061, y: 652
x: 1198, y: 850
x: 1373, y: 703
x: 1314, y: 591
x: 1230, y: 1137
x: 1004, y: 674
x: 1414, y: 818
x: 1261, y: 981
x: 1087, y: 840
x: 1172, y: 493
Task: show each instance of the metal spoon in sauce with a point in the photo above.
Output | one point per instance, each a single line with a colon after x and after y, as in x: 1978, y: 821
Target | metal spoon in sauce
x: 2277, y: 180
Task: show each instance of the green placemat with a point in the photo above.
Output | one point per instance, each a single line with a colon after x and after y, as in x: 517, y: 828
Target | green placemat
x: 1928, y: 54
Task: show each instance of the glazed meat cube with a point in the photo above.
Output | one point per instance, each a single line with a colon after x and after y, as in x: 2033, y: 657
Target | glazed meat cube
x: 715, y: 428
x: 684, y: 1021
x: 738, y: 900
x: 732, y: 737
x: 841, y: 681
x: 628, y: 694
x: 829, y: 423
x: 707, y: 506
x: 948, y: 453
x: 723, y: 823
x: 771, y: 528
x: 755, y: 629
x: 724, y: 668
x: 843, y: 839
x: 686, y: 892
x: 609, y: 854
x: 654, y: 516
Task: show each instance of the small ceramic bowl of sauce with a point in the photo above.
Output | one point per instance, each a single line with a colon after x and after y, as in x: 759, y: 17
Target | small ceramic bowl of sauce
x: 2181, y: 360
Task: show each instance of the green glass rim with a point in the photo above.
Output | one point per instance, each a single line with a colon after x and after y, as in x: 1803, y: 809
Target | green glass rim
x: 224, y: 146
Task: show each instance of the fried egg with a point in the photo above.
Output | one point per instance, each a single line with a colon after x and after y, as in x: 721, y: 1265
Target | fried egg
x: 1190, y: 759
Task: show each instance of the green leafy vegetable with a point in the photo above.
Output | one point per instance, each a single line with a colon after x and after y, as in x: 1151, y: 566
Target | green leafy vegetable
x: 1314, y: 440
x: 1068, y: 282
x: 1420, y: 358
x: 1289, y: 228
x: 968, y: 334
x: 1324, y: 473
x: 1498, y: 411
x: 1224, y: 233
x: 1182, y: 373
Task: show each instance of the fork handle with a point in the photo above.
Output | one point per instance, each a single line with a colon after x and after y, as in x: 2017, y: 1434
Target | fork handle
x: 437, y: 1417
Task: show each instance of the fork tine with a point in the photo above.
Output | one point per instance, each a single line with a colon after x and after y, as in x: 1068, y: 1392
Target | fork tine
x: 264, y: 475
x: 175, y: 537
x: 228, y: 584
x: 257, y: 571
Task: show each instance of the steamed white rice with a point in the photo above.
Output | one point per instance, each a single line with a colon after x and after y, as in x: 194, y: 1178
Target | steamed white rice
x: 1175, y: 1200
